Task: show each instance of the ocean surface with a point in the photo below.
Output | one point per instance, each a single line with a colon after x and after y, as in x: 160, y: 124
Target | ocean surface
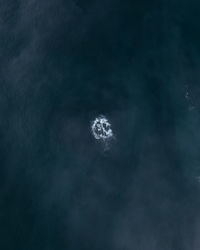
x: 64, y: 63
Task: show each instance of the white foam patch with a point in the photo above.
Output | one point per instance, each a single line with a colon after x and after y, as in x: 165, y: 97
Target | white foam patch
x: 101, y: 130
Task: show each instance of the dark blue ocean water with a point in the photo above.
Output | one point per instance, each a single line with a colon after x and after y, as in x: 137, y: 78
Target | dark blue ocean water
x: 62, y: 63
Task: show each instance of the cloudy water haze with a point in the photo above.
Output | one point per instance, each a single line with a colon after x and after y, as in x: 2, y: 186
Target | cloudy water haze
x: 132, y: 182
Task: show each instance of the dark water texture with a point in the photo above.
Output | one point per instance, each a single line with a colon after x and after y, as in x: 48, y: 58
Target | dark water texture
x: 61, y: 64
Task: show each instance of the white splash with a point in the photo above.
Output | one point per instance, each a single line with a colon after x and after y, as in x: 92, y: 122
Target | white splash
x: 101, y: 130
